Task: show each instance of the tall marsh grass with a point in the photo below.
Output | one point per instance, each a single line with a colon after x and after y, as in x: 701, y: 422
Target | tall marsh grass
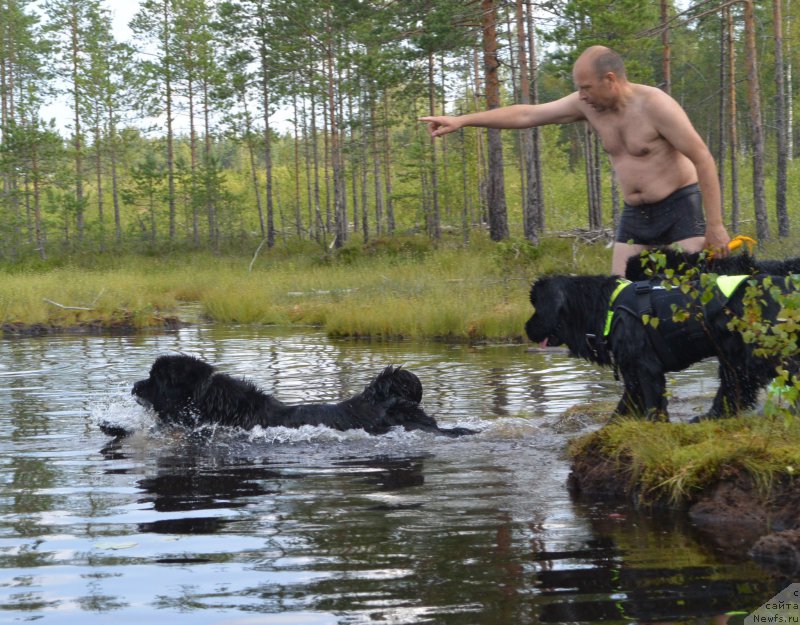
x: 395, y: 288
x: 399, y: 287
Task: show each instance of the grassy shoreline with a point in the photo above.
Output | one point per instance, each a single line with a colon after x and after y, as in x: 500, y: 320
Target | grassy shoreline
x: 392, y: 289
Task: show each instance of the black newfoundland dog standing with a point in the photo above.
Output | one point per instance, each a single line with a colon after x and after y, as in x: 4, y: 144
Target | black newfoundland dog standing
x: 609, y: 322
x: 187, y: 391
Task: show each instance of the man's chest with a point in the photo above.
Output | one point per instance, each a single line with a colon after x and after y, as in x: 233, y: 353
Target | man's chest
x: 631, y: 134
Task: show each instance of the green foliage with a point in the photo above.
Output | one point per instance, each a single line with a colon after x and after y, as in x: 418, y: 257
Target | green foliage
x: 242, y: 61
x: 583, y: 23
x: 776, y: 340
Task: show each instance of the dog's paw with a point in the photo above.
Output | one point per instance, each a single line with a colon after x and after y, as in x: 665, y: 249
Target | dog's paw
x: 112, y: 429
x: 455, y: 432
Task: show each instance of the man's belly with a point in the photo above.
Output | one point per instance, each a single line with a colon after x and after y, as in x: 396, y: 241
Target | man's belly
x: 645, y: 181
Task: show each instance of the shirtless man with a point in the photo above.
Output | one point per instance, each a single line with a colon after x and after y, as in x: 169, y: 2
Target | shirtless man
x: 661, y: 162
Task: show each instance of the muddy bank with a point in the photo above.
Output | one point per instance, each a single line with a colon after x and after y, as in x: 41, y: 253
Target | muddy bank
x: 93, y: 326
x: 738, y: 515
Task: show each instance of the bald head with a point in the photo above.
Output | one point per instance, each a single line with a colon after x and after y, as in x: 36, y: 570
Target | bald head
x: 602, y: 60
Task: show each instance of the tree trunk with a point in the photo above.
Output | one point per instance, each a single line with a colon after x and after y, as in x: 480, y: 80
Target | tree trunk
x: 666, y: 49
x: 592, y: 160
x: 364, y: 225
x: 465, y: 208
x: 298, y: 220
x: 498, y: 217
x: 265, y: 101
x: 483, y: 185
x: 335, y: 153
x: 251, y: 155
x: 757, y: 129
x: 536, y: 132
x: 733, y: 125
x: 789, y: 104
x: 358, y: 152
x: 211, y: 170
x: 723, y: 108
x: 530, y: 208
x: 376, y: 167
x: 167, y: 20
x: 326, y: 169
x: 98, y: 172
x: 112, y: 156
x: 193, y: 150
x: 432, y: 221
x: 77, y: 140
x: 37, y: 205
x: 321, y: 229
x: 780, y: 123
x: 387, y: 169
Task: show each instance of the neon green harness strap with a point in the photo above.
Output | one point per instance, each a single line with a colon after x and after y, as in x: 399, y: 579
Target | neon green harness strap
x: 728, y: 284
x: 621, y: 284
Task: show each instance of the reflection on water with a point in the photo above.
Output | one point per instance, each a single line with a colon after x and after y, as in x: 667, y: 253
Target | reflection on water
x: 315, y: 527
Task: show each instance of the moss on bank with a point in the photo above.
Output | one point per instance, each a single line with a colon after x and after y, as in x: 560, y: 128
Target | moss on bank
x: 675, y: 463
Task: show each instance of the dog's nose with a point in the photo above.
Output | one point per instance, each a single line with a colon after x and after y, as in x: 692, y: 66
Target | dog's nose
x: 137, y: 387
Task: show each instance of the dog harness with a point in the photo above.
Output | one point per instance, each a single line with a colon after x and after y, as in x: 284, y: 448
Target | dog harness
x: 678, y: 343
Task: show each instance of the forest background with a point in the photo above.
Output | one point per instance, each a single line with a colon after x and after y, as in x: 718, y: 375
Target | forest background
x: 228, y: 125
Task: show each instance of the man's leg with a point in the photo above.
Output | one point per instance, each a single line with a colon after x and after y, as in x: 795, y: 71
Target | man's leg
x: 620, y: 255
x: 691, y: 245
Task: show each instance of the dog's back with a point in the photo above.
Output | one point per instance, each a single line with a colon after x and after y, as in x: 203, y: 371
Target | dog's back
x: 657, y: 262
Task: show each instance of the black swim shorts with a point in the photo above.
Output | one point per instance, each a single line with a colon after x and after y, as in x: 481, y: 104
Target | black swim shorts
x: 677, y: 217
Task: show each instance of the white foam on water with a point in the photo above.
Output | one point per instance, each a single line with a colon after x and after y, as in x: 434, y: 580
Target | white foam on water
x: 122, y: 411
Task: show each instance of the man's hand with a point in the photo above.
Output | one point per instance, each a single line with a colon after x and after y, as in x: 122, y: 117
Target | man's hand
x: 717, y: 240
x: 441, y: 124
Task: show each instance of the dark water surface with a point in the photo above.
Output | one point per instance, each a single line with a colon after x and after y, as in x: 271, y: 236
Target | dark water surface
x: 316, y: 527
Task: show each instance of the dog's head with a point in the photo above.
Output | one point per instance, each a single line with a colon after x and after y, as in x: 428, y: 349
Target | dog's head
x: 172, y: 385
x: 394, y: 383
x: 544, y: 326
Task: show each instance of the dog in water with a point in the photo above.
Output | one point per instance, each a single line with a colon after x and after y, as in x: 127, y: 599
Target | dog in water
x: 608, y: 321
x: 184, y: 390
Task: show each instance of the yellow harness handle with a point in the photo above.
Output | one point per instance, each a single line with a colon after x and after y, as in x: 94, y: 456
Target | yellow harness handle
x: 735, y: 243
x: 739, y: 240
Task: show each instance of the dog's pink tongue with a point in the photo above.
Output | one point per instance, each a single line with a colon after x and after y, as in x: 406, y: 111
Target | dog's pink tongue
x: 543, y: 344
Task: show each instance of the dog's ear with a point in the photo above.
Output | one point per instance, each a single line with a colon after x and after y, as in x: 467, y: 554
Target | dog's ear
x: 547, y: 296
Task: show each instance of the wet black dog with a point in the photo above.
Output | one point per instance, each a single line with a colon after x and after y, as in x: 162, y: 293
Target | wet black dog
x: 187, y: 391
x: 646, y: 265
x: 595, y: 317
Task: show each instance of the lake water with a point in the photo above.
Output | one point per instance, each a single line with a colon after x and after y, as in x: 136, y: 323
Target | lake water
x: 317, y: 527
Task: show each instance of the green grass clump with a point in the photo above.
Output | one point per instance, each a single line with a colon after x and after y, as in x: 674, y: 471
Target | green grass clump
x: 675, y: 462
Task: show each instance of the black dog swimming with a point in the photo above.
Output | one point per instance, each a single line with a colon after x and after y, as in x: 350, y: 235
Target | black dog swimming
x: 657, y: 262
x: 600, y: 318
x: 184, y: 390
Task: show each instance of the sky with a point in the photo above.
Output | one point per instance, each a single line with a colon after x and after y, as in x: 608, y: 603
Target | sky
x: 122, y: 12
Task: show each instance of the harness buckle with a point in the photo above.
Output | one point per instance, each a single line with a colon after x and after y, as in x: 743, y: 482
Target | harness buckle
x: 601, y: 353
